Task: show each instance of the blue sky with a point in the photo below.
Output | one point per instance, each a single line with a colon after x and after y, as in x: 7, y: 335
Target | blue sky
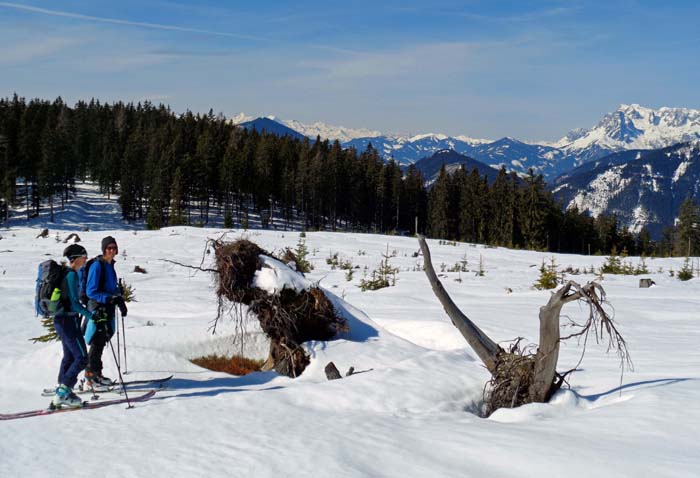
x: 528, y: 69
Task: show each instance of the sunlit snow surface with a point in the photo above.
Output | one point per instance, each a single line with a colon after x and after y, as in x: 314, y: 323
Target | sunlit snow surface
x: 410, y: 415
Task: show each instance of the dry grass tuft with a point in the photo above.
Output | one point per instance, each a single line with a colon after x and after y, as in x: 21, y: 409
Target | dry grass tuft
x: 235, y: 365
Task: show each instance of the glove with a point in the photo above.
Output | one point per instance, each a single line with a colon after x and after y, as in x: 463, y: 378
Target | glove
x: 122, y: 307
x: 118, y: 300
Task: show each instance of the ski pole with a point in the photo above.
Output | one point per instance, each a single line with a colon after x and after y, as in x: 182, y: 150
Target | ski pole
x: 121, y: 379
x: 118, y: 348
x: 126, y: 371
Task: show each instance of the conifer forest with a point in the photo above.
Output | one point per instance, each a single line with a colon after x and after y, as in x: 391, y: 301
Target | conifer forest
x: 175, y: 169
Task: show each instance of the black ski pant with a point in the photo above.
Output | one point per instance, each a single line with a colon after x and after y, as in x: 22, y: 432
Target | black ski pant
x: 74, y: 350
x: 103, y: 333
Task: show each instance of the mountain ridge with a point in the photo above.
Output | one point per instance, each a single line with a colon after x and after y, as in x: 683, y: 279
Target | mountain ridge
x: 629, y: 127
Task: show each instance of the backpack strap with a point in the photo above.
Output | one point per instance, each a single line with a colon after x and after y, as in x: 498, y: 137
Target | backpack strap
x: 101, y: 283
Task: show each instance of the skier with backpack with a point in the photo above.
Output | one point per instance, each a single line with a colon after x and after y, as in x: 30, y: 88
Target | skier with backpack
x: 57, y: 296
x: 103, y: 295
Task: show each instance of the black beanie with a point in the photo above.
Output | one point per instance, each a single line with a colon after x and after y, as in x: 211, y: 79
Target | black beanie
x: 74, y: 251
x: 107, y: 241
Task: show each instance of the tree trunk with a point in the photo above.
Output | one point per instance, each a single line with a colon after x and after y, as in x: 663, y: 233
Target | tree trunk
x: 485, y: 348
x: 548, y: 350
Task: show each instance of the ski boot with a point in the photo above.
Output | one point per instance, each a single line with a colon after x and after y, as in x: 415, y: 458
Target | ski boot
x: 65, y: 398
x: 97, y: 382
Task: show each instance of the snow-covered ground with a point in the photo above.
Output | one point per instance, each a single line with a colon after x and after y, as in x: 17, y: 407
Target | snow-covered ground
x: 411, y: 415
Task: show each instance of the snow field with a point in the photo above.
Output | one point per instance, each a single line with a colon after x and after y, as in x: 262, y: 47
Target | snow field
x: 411, y: 415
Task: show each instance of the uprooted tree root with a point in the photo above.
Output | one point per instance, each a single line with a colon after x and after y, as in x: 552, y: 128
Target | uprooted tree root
x: 289, y: 318
x: 511, y: 380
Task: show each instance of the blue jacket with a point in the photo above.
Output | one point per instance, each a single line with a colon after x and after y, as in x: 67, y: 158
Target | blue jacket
x: 75, y: 306
x: 101, y: 271
x: 104, y: 272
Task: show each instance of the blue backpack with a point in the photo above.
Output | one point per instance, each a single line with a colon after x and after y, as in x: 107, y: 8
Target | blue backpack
x: 83, y: 277
x: 50, y: 293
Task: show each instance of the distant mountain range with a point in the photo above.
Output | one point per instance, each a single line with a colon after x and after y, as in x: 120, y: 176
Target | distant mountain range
x: 630, y: 127
x: 642, y: 187
x: 430, y: 166
x: 271, y: 126
x: 638, y: 163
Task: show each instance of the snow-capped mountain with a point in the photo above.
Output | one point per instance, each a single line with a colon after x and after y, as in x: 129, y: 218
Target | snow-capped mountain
x: 341, y: 133
x: 632, y: 127
x: 325, y: 131
x: 511, y: 153
x: 642, y: 187
x: 240, y: 118
x: 408, y: 150
x: 520, y: 157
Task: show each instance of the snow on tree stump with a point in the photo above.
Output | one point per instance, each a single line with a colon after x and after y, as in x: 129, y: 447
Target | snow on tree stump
x: 646, y: 283
x: 291, y: 310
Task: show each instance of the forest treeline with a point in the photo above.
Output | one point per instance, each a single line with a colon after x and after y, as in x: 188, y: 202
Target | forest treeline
x: 171, y: 169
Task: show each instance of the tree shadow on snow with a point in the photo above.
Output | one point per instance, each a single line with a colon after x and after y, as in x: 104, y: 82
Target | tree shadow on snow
x: 662, y: 382
x: 217, y: 386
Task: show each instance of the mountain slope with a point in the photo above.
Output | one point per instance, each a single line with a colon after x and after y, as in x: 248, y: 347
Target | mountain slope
x: 644, y: 188
x: 430, y: 166
x: 632, y: 127
x: 520, y: 157
x: 271, y: 126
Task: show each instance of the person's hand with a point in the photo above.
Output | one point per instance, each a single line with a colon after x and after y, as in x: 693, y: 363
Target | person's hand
x: 119, y: 302
x: 122, y: 308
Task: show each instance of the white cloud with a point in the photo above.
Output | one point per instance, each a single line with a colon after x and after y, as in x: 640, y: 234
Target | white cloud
x: 157, y: 26
x: 433, y: 58
x: 29, y: 50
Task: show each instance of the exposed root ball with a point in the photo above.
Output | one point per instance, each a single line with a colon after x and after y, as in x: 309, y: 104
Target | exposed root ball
x: 288, y: 318
x: 237, y: 262
x: 510, y: 383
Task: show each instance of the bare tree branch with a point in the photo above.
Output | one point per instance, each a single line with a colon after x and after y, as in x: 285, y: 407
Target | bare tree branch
x: 485, y: 348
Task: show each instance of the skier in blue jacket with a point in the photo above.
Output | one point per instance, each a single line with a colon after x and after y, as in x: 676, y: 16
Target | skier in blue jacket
x: 104, y: 295
x: 67, y: 325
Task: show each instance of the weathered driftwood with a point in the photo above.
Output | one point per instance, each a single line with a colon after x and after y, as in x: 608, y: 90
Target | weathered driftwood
x: 517, y: 376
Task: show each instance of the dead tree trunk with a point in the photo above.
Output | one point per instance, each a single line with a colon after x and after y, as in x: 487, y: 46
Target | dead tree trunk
x: 517, y: 377
x: 485, y: 348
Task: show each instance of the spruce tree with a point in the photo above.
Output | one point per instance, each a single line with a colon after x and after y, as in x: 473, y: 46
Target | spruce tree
x: 439, y: 203
x: 688, y: 238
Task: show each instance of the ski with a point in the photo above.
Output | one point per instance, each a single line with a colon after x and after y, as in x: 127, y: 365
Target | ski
x: 158, y: 383
x: 86, y: 406
x: 50, y: 392
x: 144, y: 381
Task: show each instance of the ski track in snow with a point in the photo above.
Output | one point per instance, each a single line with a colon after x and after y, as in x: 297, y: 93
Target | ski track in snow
x: 411, y: 415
